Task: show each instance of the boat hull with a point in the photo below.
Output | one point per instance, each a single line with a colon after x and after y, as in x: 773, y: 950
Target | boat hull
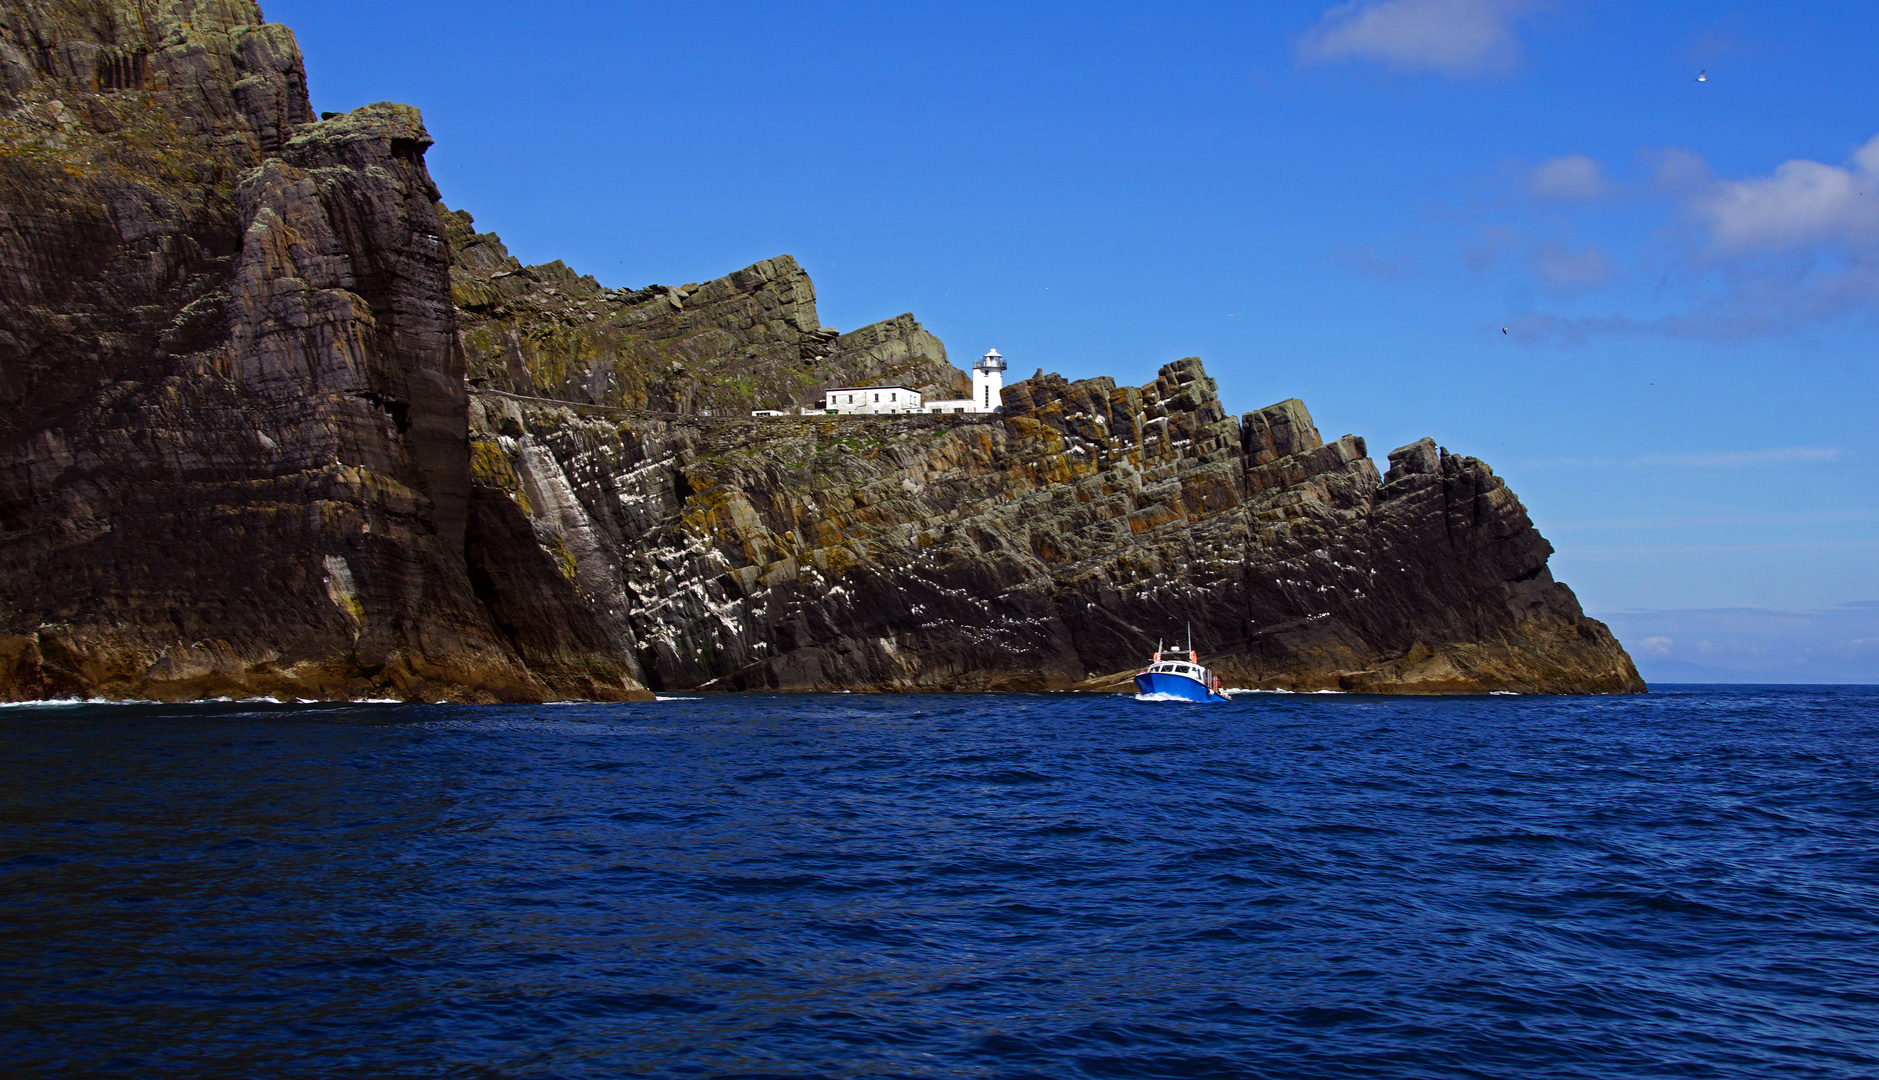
x: 1177, y: 686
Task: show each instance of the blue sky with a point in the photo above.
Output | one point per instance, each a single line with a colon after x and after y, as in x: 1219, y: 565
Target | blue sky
x: 1340, y: 203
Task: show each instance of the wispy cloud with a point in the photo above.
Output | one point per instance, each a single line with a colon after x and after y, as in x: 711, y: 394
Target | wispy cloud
x: 1457, y: 38
x: 1563, y: 271
x: 1656, y: 646
x: 1836, y: 644
x: 1729, y: 459
x: 1675, y: 171
x: 1789, y: 249
x: 1369, y: 261
x: 1571, y: 177
x: 1759, y: 301
x: 1677, y: 522
x: 1622, y: 553
x: 1719, y: 459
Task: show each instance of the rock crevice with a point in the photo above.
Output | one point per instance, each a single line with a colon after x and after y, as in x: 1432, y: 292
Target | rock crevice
x: 278, y: 422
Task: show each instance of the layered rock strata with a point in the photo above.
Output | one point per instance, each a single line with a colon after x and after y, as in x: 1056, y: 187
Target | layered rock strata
x: 277, y: 422
x: 234, y: 453
x: 1049, y: 548
x: 751, y: 340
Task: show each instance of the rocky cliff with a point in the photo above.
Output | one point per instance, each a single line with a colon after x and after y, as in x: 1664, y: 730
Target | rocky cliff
x: 276, y: 421
x: 233, y: 453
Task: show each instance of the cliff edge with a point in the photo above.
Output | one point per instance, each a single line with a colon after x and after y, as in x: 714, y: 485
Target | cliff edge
x: 278, y: 422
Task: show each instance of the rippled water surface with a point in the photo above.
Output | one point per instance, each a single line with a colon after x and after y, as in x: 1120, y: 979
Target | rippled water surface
x: 1683, y: 884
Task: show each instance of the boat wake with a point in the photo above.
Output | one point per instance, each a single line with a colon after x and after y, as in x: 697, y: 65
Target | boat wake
x: 1168, y: 697
x: 1235, y: 691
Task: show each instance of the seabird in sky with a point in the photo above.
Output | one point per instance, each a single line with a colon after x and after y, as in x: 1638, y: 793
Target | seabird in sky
x: 1703, y: 75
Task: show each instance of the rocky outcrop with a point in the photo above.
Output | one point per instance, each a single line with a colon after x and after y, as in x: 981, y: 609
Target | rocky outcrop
x: 896, y: 350
x: 1048, y: 548
x: 236, y: 455
x: 277, y: 422
x: 750, y: 340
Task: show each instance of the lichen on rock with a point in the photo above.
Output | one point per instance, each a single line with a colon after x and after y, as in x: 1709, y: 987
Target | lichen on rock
x: 278, y: 422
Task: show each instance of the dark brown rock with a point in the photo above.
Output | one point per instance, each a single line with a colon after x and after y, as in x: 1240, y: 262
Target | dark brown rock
x: 1050, y: 547
x: 235, y: 444
x: 278, y: 423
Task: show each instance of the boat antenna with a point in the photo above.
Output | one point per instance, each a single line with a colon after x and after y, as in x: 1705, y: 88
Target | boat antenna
x: 1190, y: 635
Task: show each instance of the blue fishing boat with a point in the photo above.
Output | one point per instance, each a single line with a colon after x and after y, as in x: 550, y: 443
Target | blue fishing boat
x: 1178, y: 675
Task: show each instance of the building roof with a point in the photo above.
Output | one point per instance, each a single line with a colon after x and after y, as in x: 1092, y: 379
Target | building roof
x: 894, y: 386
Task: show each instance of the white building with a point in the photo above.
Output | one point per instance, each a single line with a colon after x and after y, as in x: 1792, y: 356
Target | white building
x: 988, y: 380
x: 871, y: 400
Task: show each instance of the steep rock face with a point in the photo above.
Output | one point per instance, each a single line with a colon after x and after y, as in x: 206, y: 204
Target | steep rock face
x: 277, y: 422
x: 235, y: 443
x: 1050, y: 547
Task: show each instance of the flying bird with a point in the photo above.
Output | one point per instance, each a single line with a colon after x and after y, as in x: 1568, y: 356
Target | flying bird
x: 1703, y: 75
x: 1503, y: 329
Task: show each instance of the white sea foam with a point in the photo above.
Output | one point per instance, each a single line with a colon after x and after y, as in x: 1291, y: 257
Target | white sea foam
x: 675, y: 697
x: 1233, y: 691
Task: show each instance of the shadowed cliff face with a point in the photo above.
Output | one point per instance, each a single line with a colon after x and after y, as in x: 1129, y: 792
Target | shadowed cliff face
x: 235, y: 442
x: 275, y: 422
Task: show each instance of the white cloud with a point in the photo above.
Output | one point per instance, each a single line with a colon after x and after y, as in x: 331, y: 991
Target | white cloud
x: 1571, y: 177
x: 1802, y: 202
x: 1453, y: 37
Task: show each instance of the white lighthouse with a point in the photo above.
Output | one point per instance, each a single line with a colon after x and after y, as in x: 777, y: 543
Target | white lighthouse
x: 988, y: 379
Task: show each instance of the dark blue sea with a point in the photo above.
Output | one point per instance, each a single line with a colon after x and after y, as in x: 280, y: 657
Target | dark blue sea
x: 1684, y: 884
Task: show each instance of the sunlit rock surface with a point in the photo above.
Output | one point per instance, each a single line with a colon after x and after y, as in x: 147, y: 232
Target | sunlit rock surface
x: 277, y: 422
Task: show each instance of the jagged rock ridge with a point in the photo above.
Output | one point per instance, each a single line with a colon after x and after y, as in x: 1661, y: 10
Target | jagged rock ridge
x: 751, y: 340
x: 278, y: 422
x: 1043, y: 549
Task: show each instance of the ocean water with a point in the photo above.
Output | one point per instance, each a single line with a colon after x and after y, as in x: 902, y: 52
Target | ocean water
x: 1684, y: 884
